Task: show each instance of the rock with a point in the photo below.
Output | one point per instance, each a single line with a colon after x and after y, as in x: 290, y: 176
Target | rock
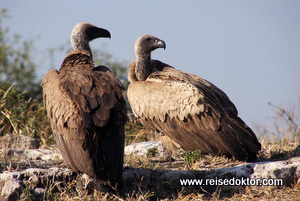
x: 36, y: 177
x: 39, y: 193
x: 23, y: 159
x: 35, y: 154
x: 8, y: 175
x: 12, y: 190
x: 131, y: 175
x: 54, y: 173
x: 19, y: 141
x: 175, y: 175
x: 288, y: 170
x: 142, y: 148
x: 244, y: 170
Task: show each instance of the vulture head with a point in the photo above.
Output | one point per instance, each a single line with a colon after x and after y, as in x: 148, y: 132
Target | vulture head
x: 83, y: 33
x: 146, y: 44
x: 143, y: 48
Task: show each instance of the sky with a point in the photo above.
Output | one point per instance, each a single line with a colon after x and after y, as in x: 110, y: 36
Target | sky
x: 249, y: 49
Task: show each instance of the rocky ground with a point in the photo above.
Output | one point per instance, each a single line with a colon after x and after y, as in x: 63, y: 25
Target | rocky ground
x: 30, y: 173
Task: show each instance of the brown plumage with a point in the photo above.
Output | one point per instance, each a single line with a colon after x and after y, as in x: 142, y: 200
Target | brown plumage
x: 87, y: 111
x: 190, y: 110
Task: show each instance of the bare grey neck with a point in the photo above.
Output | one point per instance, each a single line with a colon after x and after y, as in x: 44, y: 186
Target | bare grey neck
x: 81, y: 44
x: 143, y: 68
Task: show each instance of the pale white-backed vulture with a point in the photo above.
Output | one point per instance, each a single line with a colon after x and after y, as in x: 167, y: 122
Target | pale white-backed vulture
x: 190, y: 110
x: 87, y: 111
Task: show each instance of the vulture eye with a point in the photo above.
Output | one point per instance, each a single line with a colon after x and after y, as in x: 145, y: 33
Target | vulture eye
x: 148, y: 39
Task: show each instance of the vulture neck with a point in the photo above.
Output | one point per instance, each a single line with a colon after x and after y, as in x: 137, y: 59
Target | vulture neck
x: 81, y: 45
x: 142, y: 69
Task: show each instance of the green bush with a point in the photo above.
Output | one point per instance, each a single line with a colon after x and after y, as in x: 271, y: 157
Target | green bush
x: 190, y: 157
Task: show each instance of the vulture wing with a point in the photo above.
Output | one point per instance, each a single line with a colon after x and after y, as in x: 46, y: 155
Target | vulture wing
x: 87, y: 112
x: 192, y: 112
x: 218, y: 94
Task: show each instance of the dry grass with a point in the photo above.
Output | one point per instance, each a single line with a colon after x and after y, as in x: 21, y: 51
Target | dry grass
x: 20, y: 114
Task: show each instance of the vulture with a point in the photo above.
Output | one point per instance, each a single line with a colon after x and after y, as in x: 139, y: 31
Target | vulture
x: 87, y: 111
x: 190, y: 110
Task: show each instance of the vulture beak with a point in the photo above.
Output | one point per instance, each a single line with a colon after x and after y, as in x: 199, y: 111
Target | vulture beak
x: 160, y: 43
x: 93, y: 32
x: 104, y: 33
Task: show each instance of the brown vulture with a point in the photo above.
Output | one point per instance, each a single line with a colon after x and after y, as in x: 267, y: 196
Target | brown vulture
x: 87, y: 111
x: 190, y: 110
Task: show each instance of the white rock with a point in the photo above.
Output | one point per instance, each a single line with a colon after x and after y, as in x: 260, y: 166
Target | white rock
x: 44, y: 154
x: 39, y: 193
x: 287, y: 170
x: 34, y: 154
x: 243, y: 170
x: 277, y: 169
x: 175, y: 175
x: 12, y: 189
x: 9, y: 175
x: 142, y: 148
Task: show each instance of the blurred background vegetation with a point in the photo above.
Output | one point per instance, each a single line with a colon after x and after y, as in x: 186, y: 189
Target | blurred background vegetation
x: 20, y: 91
x: 22, y: 111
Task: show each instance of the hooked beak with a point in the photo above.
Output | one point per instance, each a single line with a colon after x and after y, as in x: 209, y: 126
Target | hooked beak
x: 104, y: 33
x: 160, y: 43
x: 95, y: 32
